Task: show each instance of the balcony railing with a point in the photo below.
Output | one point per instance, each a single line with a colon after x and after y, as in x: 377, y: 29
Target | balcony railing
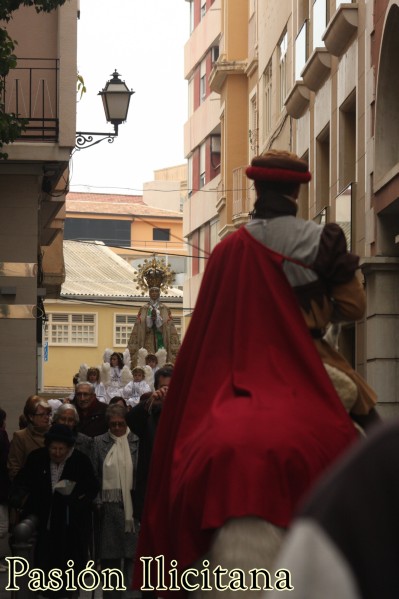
x: 31, y: 92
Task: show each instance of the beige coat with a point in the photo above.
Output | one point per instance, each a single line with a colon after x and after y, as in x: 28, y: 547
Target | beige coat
x: 22, y: 444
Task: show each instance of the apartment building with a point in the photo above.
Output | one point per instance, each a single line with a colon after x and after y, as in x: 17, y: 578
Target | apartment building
x: 33, y: 181
x: 331, y: 85
x: 125, y: 223
x: 316, y: 77
x: 201, y: 144
x: 381, y: 264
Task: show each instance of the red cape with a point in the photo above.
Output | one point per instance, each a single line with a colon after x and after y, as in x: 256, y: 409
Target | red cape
x: 251, y: 418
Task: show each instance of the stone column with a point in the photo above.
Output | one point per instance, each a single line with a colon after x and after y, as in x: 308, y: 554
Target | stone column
x: 382, y: 331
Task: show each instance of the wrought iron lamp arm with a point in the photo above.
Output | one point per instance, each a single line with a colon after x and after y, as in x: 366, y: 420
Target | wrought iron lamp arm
x: 85, y: 139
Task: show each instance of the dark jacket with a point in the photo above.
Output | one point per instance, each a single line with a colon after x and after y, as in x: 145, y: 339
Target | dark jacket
x: 143, y: 424
x: 92, y: 421
x: 64, y: 522
x: 4, y: 479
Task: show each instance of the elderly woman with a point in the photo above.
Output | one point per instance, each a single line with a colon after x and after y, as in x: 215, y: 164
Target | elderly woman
x: 37, y: 413
x: 114, y: 459
x: 58, y: 485
x: 67, y: 414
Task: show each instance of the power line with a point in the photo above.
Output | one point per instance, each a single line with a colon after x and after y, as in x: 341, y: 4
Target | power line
x: 120, y: 304
x: 187, y: 189
x: 149, y: 252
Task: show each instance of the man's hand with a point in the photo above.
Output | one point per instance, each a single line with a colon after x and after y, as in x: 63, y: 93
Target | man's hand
x: 157, y: 398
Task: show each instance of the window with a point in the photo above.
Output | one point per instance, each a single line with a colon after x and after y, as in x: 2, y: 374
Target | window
x: 322, y: 170
x: 123, y: 325
x: 301, y: 50
x: 203, y: 8
x: 319, y: 22
x: 347, y: 141
x: 161, y: 234
x: 202, y: 166
x: 203, y: 81
x: 283, y: 46
x: 253, y: 127
x: 267, y: 98
x: 190, y: 175
x: 191, y: 15
x: 191, y: 97
x: 109, y: 231
x: 72, y: 329
x: 177, y: 323
x: 214, y: 53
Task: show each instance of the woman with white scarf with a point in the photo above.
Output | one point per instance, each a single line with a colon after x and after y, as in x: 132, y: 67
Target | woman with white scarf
x: 114, y: 460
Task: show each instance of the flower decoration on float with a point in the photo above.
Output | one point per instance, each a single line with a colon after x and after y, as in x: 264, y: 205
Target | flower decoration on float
x: 154, y: 272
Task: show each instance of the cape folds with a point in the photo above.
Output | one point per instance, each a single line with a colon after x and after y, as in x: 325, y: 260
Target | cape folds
x: 251, y: 418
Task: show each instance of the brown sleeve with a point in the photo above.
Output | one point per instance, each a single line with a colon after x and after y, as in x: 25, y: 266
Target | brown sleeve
x: 349, y: 301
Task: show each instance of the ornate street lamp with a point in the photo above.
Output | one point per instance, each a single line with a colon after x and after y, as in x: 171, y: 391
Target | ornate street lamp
x: 116, y: 99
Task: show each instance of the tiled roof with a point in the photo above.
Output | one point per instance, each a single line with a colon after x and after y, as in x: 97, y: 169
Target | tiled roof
x: 114, y: 204
x: 93, y: 270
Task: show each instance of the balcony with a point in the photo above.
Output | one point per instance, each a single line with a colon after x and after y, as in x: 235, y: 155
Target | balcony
x: 298, y: 99
x: 341, y: 29
x: 317, y: 69
x: 224, y: 68
x: 31, y: 92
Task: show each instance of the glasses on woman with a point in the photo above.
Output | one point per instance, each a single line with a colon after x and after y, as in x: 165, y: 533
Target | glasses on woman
x: 42, y: 414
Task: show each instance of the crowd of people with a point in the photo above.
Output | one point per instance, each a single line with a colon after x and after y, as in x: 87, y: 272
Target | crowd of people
x: 78, y: 468
x: 207, y: 462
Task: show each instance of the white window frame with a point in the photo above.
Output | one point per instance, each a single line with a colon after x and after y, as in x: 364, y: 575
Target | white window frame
x: 65, y: 328
x: 123, y: 325
x: 282, y: 52
x: 267, y: 99
x: 253, y: 126
x: 191, y: 15
x: 319, y: 22
x: 203, y: 9
x: 203, y: 81
x: 301, y: 50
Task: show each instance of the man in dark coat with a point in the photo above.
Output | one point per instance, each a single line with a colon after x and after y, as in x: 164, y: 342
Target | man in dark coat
x: 143, y: 421
x: 91, y: 411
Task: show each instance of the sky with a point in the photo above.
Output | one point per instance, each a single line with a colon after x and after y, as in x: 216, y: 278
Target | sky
x: 144, y: 41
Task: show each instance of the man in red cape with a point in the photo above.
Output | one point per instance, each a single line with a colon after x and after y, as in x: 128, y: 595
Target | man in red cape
x: 251, y: 418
